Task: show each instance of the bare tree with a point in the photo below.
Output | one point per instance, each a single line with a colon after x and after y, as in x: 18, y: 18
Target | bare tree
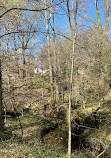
x: 74, y: 35
x: 49, y: 54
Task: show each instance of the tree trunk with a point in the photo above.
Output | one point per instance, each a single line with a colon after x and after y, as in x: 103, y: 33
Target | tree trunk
x: 69, y: 126
x: 23, y: 62
x: 16, y: 55
x: 107, y: 15
x: 74, y: 34
x: 1, y: 104
x: 98, y: 16
x: 49, y: 56
x: 57, y: 92
x: 70, y: 96
x: 55, y: 57
x: 62, y: 94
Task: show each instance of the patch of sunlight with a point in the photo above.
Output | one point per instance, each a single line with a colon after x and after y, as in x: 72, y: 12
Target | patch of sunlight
x: 89, y: 109
x: 40, y: 90
x: 109, y: 137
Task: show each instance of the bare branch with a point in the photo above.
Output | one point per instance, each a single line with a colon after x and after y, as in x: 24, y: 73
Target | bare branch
x: 104, y: 146
x: 43, y: 32
x: 91, y: 19
x: 32, y: 10
x: 23, y: 9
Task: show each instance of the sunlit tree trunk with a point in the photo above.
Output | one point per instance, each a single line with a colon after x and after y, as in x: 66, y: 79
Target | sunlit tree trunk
x: 55, y: 56
x: 49, y: 56
x: 98, y: 16
x: 74, y: 34
x: 70, y: 96
x: 107, y: 6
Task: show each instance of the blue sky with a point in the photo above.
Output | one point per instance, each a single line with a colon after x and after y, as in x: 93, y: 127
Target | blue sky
x: 61, y: 22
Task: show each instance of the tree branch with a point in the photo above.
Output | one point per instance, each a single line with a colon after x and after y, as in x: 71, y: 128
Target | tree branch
x: 23, y: 9
x: 91, y: 19
x: 98, y: 15
x: 32, y: 10
x: 43, y: 32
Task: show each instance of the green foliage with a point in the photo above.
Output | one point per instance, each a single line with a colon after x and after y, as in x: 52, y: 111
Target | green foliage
x: 41, y: 82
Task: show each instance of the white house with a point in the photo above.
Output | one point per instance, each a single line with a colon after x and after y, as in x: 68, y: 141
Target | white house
x: 40, y: 71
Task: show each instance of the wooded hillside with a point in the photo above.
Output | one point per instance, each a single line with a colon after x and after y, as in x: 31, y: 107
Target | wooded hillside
x: 55, y: 79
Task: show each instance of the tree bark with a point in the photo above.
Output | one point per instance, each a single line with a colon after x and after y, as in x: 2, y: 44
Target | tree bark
x: 23, y: 62
x: 98, y: 16
x: 107, y: 15
x: 55, y: 57
x: 49, y: 56
x: 1, y: 103
x: 74, y: 34
x: 23, y: 56
x: 70, y: 96
x: 16, y: 55
x: 69, y: 126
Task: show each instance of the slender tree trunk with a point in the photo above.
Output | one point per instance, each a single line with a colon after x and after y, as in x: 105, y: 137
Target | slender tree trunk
x: 49, y: 56
x: 23, y: 57
x: 62, y: 94
x: 55, y: 57
x: 74, y: 34
x: 70, y: 89
x: 23, y: 62
x: 107, y: 15
x: 1, y: 104
x: 70, y: 96
x: 16, y: 55
x: 69, y: 127
x: 98, y: 16
x: 98, y: 77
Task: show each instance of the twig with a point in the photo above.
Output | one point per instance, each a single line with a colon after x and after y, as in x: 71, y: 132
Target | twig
x: 104, y: 146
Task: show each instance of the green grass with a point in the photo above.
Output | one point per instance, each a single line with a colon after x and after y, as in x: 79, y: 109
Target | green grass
x: 13, y: 146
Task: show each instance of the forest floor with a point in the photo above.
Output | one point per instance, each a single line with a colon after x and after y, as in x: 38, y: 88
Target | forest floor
x: 45, y: 136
